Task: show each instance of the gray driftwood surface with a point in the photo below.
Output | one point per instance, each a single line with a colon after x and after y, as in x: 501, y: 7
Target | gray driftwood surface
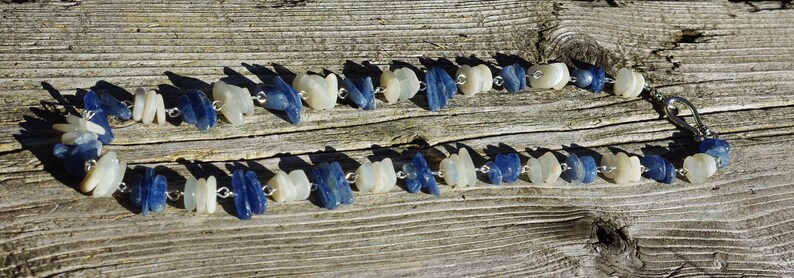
x: 733, y: 60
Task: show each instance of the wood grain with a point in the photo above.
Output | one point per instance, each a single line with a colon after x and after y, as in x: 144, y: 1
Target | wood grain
x: 731, y: 59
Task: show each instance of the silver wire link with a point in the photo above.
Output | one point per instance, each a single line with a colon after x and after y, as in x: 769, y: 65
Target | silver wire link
x: 343, y: 93
x: 461, y: 79
x: 303, y: 94
x: 90, y: 164
x: 351, y: 177
x: 564, y: 166
x: 605, y: 169
x: 609, y: 80
x: 440, y: 173
x: 224, y: 192
x: 422, y: 86
x: 498, y: 81
x: 261, y: 97
x: 173, y: 112
x: 524, y: 169
x: 268, y: 190
x: 217, y: 105
x: 536, y: 74
x: 124, y: 188
x: 401, y: 175
x: 380, y: 90
x: 484, y: 169
x: 174, y: 195
x: 128, y: 103
x: 88, y: 114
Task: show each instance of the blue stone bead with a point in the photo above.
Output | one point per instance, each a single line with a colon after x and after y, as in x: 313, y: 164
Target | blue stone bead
x: 282, y: 97
x: 590, y: 168
x: 91, y: 103
x: 196, y: 109
x: 599, y: 77
x: 494, y: 173
x: 450, y: 87
x: 656, y: 167
x: 113, y: 107
x: 276, y: 99
x: 254, y: 195
x: 411, y: 179
x: 241, y: 204
x: 438, y: 90
x: 515, y: 78
x: 576, y: 169
x: 510, y: 166
x: 327, y: 191
x: 424, y: 175
x: 361, y: 92
x: 85, y: 148
x: 583, y: 78
x: 669, y: 172
x: 345, y: 193
x: 717, y: 148
x: 138, y: 194
x: 157, y: 193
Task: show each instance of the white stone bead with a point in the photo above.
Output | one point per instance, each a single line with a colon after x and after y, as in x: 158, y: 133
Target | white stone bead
x: 389, y: 175
x: 80, y: 124
x: 639, y: 83
x: 365, y: 177
x: 246, y: 101
x: 231, y: 109
x: 211, y: 201
x: 160, y: 110
x: 709, y: 161
x: 473, y: 77
x: 389, y: 81
x: 413, y: 81
x: 107, y: 190
x: 549, y: 167
x: 150, y: 108
x: 405, y: 88
x: 319, y: 92
x: 461, y: 170
x: 471, y: 178
x: 610, y: 160
x: 102, y: 167
x: 104, y: 183
x: 487, y: 77
x: 699, y: 167
x: 201, y: 195
x: 138, y: 104
x: 449, y: 170
x: 332, y: 84
x: 624, y: 82
x: 284, y: 189
x: 189, y: 195
x: 535, y: 171
x: 636, y: 170
x: 550, y: 76
x: 69, y: 137
x: 624, y: 169
x: 379, y: 184
x: 66, y: 127
x: 301, y: 183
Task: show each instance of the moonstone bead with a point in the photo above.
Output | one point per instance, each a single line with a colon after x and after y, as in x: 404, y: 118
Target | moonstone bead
x: 211, y: 201
x: 509, y: 166
x: 138, y: 104
x: 303, y: 187
x: 474, y: 79
x: 575, y: 172
x: 189, y: 194
x: 551, y: 76
x: 149, y: 107
x: 487, y: 77
x: 461, y: 169
x: 284, y: 188
x: 85, y: 147
x: 248, y: 196
x: 717, y: 148
x: 389, y: 81
x: 91, y: 103
x: 450, y: 171
x: 411, y: 79
x: 610, y: 161
x: 201, y: 195
x: 515, y: 78
x: 110, y: 183
x: 494, y: 173
x: 550, y: 167
x: 628, y: 83
x: 471, y: 178
x: 624, y: 169
x: 196, y: 109
x: 113, y: 107
x: 103, y: 166
x: 365, y: 177
x: 535, y: 172
x: 389, y: 175
x: 361, y: 92
x: 590, y: 169
x: 699, y: 167
x: 322, y: 92
x: 148, y: 192
x: 282, y: 97
x: 233, y: 104
x: 583, y: 78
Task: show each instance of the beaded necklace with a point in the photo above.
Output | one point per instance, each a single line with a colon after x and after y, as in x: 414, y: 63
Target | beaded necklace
x: 103, y: 174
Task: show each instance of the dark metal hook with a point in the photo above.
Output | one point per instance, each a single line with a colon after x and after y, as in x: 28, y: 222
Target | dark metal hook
x: 700, y: 130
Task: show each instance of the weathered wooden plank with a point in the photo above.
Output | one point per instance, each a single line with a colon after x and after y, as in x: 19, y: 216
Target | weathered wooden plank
x: 733, y: 60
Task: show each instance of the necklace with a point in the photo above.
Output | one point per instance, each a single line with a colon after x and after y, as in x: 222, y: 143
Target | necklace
x: 103, y: 174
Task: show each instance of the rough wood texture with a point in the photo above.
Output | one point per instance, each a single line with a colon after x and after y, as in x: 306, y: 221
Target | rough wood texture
x: 735, y: 61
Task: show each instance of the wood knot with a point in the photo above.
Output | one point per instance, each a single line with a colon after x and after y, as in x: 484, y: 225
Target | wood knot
x: 613, y: 244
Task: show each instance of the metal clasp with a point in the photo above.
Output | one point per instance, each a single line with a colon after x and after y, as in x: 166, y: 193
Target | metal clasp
x: 700, y: 130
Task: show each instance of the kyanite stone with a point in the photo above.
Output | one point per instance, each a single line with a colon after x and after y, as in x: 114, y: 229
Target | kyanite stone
x: 282, y: 97
x: 515, y: 78
x: 583, y: 78
x: 494, y: 173
x: 85, y: 148
x: 241, y: 204
x: 113, y: 107
x: 599, y: 77
x: 91, y: 103
x: 438, y: 91
x: 148, y: 192
x: 327, y: 191
x: 254, y: 195
x: 669, y: 172
x: 717, y: 148
x: 411, y: 179
x: 509, y: 166
x: 361, y: 92
x: 590, y: 168
x: 338, y: 175
x: 576, y: 171
x: 426, y: 179
x: 196, y: 109
x: 656, y: 167
x: 450, y: 87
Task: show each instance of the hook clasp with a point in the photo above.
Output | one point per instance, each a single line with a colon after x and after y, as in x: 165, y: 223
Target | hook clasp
x: 700, y: 130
